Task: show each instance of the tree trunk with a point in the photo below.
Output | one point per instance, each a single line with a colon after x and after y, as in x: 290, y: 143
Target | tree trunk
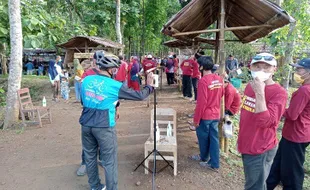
x: 118, y: 24
x: 288, y: 57
x: 3, y: 59
x: 15, y: 74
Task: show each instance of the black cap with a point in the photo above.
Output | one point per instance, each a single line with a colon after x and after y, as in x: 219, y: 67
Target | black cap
x: 304, y: 63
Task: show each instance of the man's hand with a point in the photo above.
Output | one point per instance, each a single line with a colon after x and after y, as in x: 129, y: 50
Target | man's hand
x: 116, y: 114
x: 150, y: 79
x: 258, y: 86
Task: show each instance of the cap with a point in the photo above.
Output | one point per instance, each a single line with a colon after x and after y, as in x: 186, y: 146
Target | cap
x: 265, y: 58
x: 304, y: 63
x: 170, y: 56
x: 149, y: 56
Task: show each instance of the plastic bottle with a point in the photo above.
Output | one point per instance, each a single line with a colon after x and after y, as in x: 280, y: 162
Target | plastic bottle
x: 157, y: 133
x: 44, y: 102
x: 169, y: 130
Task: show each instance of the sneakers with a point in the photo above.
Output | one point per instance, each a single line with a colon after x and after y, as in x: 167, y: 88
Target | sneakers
x: 190, y: 115
x: 192, y: 128
x: 208, y: 166
x: 81, y: 171
x: 104, y: 188
x: 195, y: 157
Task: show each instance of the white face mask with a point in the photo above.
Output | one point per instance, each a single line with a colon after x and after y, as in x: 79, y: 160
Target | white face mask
x: 261, y: 75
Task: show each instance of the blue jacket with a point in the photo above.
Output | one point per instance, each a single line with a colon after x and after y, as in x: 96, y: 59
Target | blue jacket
x: 100, y: 95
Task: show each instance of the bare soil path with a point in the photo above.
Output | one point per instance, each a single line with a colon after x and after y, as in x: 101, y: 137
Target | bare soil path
x: 48, y: 157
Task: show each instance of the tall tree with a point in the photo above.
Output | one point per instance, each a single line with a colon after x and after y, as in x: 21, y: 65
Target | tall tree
x: 118, y: 23
x: 15, y: 73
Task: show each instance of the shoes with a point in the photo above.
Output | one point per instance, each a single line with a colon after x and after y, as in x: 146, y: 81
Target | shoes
x: 195, y: 157
x: 190, y: 115
x: 81, y: 171
x: 192, y: 128
x: 208, y: 166
x: 104, y: 188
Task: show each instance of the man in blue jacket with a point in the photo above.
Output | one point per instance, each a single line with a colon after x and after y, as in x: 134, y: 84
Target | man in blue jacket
x: 99, y: 95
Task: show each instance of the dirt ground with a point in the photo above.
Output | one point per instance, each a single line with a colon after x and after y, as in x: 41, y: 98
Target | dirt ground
x: 48, y: 157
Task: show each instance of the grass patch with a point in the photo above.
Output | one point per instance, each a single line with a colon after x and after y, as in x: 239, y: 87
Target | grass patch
x: 38, y: 86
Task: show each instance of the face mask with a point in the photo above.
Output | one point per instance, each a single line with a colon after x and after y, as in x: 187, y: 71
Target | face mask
x: 261, y: 75
x: 298, y: 79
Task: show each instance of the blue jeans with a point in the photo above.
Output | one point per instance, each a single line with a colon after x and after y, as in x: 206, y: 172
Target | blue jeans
x: 106, y: 138
x: 77, y: 88
x: 207, y: 134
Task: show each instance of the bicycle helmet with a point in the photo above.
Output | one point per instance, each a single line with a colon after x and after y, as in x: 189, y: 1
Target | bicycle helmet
x: 106, y: 60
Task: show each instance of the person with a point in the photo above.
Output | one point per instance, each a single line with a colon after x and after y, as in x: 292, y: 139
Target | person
x: 207, y: 115
x: 232, y: 99
x: 195, y: 76
x: 176, y: 68
x: 64, y: 89
x: 133, y: 74
x: 29, y: 67
x: 170, y: 70
x: 187, y: 70
x: 263, y: 104
x: 54, y: 73
x: 287, y: 166
x: 78, y: 72
x: 59, y: 61
x: 121, y: 74
x: 99, y: 117
x: 90, y: 68
x: 40, y: 69
x: 147, y: 64
x: 231, y: 65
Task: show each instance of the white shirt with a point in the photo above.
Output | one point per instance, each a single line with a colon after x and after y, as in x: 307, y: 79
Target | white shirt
x: 59, y: 74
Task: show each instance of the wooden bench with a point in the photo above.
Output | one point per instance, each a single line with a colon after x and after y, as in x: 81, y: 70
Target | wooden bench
x: 165, y: 144
x: 34, y: 113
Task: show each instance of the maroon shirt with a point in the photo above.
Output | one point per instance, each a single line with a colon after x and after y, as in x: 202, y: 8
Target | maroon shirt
x: 187, y: 67
x: 258, y: 131
x: 232, y: 99
x: 196, y: 72
x: 209, y: 93
x: 297, y: 116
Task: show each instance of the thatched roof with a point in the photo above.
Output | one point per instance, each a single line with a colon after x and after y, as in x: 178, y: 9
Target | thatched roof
x: 90, y: 42
x: 200, y: 14
x: 188, y: 44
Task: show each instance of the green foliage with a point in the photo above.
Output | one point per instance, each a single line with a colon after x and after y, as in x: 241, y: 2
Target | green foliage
x: 2, y: 97
x: 300, y: 11
x: 278, y: 76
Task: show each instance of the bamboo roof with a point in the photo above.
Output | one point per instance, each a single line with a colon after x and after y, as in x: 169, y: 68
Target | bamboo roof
x: 89, y: 42
x: 200, y: 14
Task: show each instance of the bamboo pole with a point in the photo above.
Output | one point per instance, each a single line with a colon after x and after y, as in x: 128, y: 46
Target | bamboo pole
x: 222, y: 65
x: 218, y: 30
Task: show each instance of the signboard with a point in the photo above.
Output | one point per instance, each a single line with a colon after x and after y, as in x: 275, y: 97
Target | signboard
x: 83, y: 55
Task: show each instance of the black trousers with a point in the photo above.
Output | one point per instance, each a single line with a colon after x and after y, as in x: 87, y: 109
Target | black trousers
x: 287, y: 166
x: 195, y: 86
x: 187, y: 86
x: 170, y: 78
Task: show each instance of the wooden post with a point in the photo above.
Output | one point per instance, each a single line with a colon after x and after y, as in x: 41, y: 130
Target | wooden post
x: 216, y: 59
x: 222, y: 66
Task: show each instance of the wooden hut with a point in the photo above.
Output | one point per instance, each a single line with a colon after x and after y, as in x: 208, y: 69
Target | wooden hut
x: 249, y: 20
x: 83, y: 47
